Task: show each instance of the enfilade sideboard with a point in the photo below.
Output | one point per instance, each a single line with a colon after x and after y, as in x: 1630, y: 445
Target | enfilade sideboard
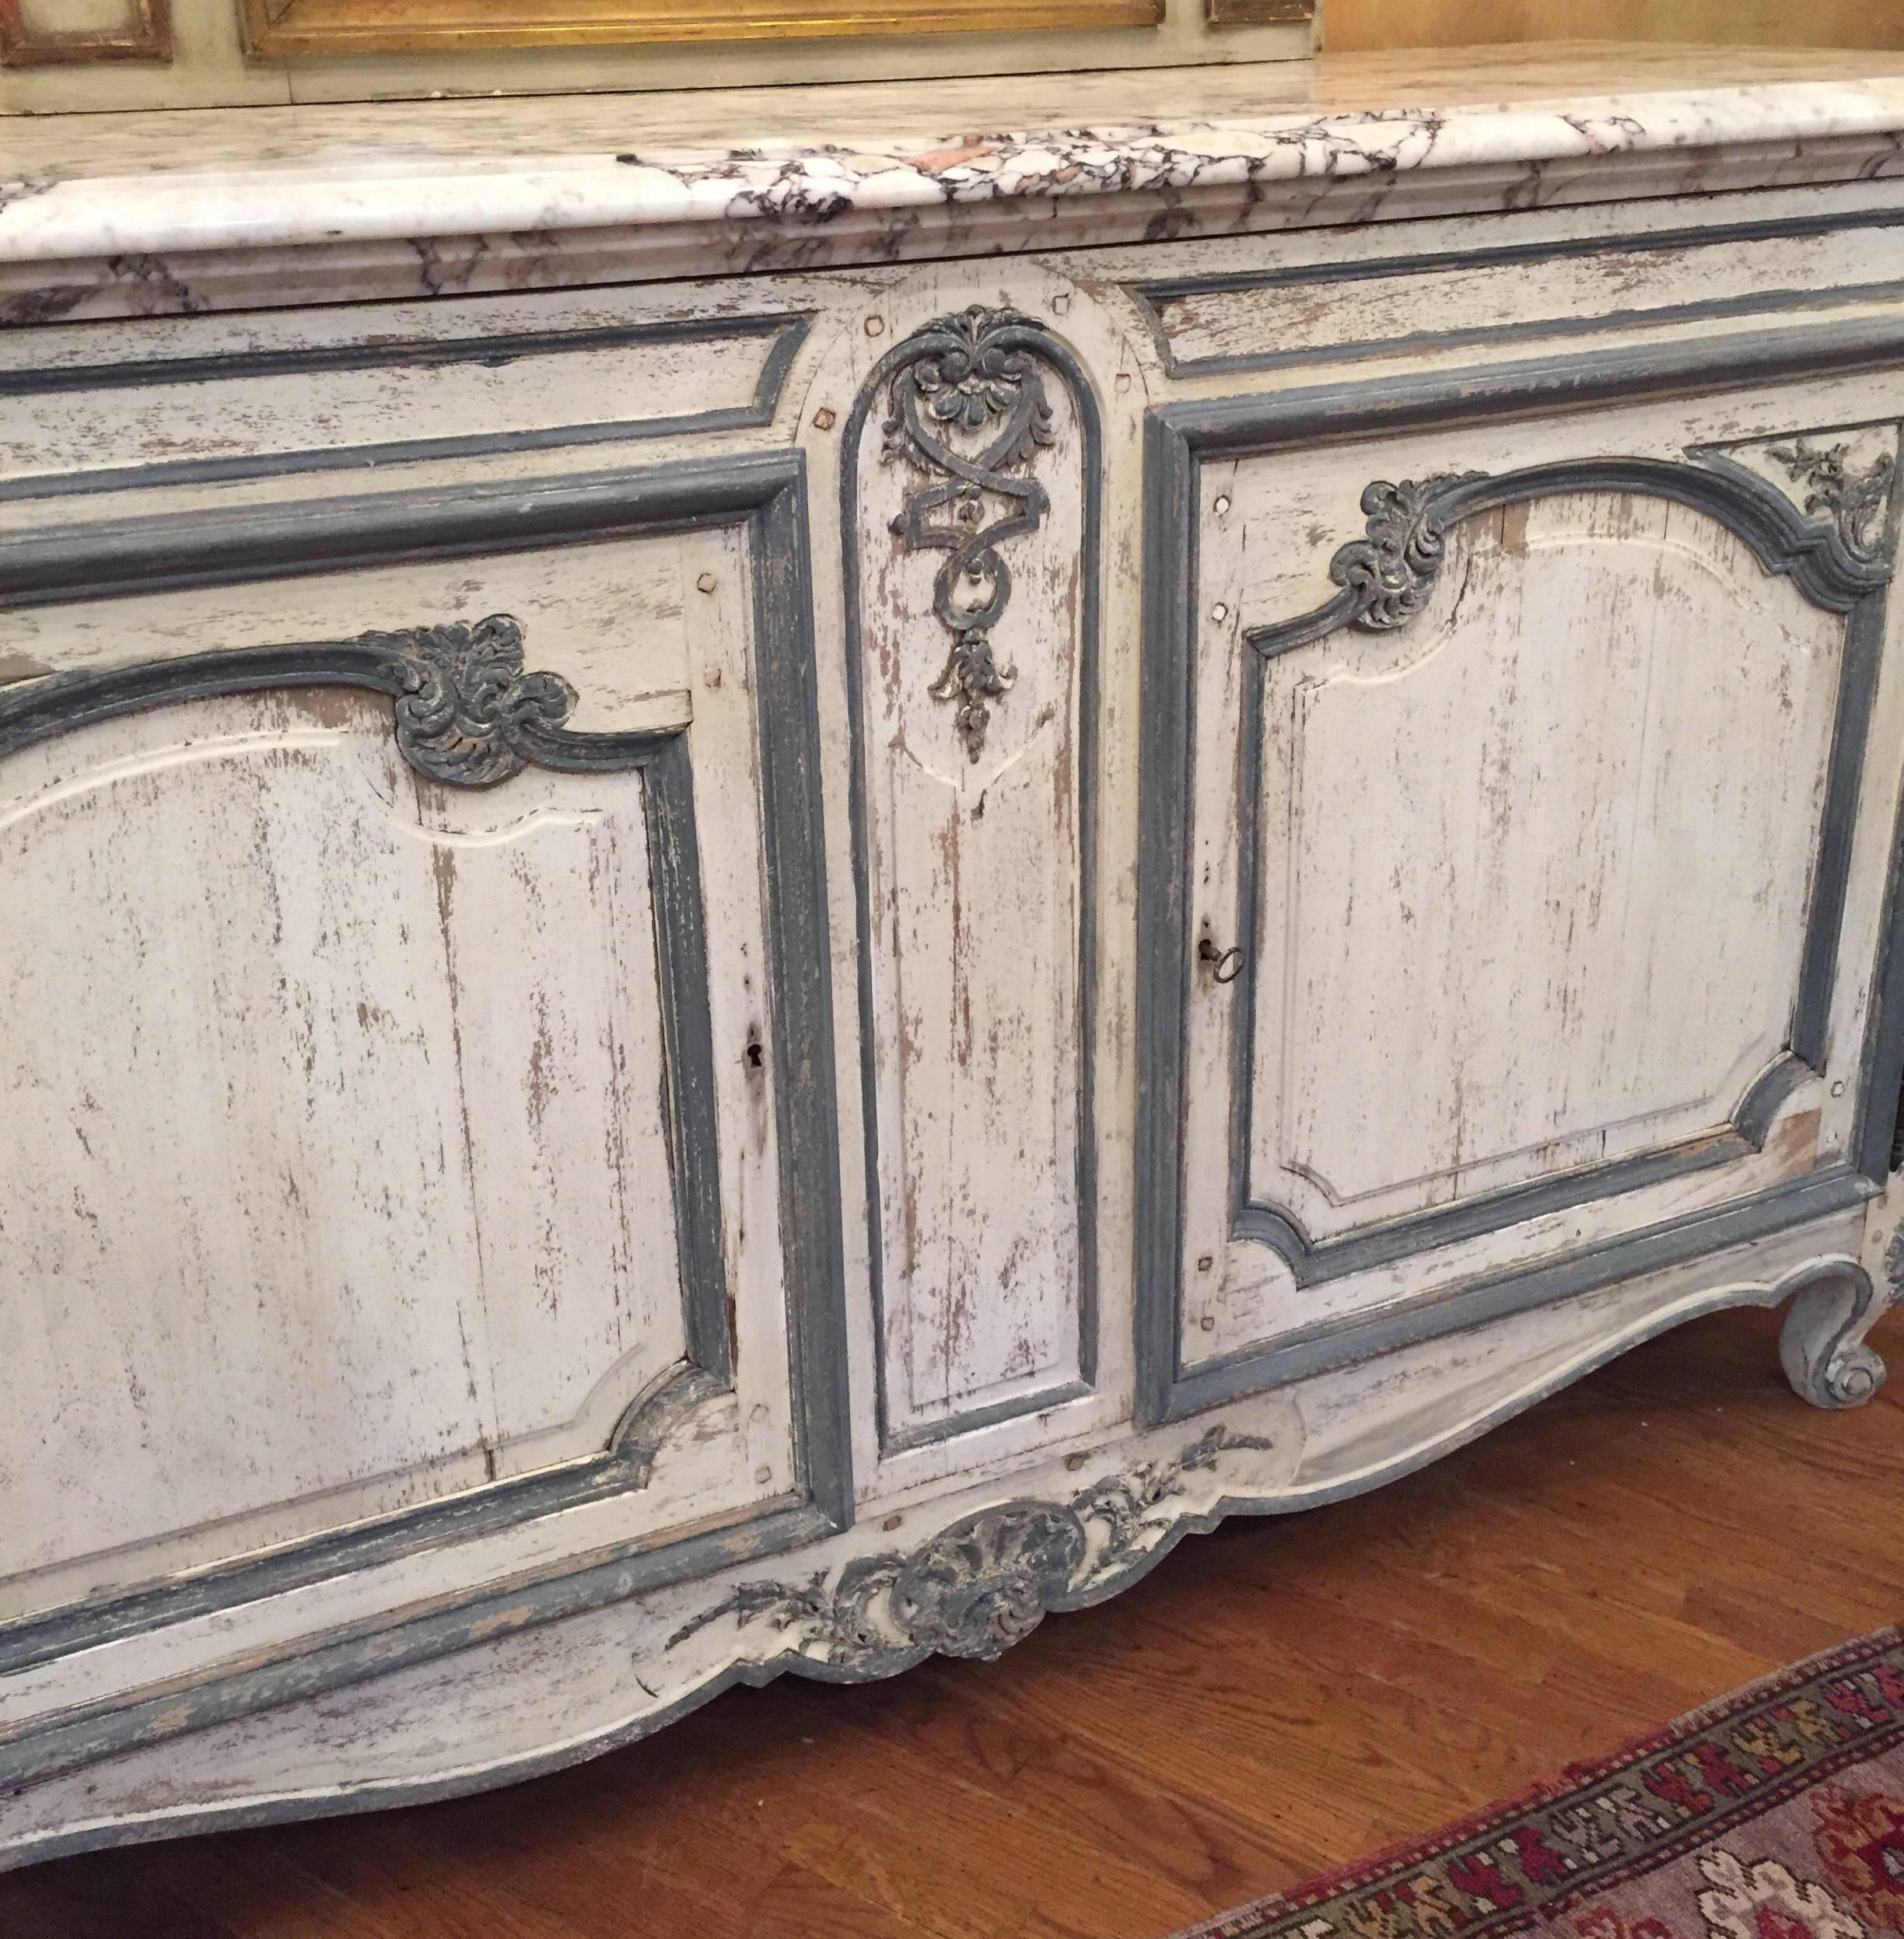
x: 778, y: 872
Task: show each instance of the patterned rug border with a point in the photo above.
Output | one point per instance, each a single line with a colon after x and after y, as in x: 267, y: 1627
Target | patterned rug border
x: 1244, y: 1921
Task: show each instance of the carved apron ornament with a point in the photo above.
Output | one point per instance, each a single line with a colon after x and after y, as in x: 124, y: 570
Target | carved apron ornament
x: 966, y: 404
x: 984, y: 1584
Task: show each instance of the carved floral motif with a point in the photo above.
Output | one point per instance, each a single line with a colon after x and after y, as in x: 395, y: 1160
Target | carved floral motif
x: 982, y: 1584
x: 956, y: 379
x: 1853, y: 499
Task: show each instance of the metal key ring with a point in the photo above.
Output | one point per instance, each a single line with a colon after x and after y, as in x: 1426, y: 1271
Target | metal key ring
x: 1220, y: 960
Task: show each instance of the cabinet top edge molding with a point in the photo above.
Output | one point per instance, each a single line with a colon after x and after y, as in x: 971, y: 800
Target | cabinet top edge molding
x: 657, y: 182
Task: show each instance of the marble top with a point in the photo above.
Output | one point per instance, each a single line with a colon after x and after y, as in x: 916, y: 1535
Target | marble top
x: 94, y: 186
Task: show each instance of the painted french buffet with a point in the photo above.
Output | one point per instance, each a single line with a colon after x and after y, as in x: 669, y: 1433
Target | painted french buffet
x: 760, y: 905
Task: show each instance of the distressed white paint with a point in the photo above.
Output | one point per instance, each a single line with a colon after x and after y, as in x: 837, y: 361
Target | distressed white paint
x: 973, y: 896
x: 1090, y: 315
x: 305, y: 1148
x: 558, y: 377
x: 609, y: 617
x: 553, y: 1696
x: 1535, y: 866
x: 1663, y: 709
x: 1640, y: 679
x: 1401, y: 299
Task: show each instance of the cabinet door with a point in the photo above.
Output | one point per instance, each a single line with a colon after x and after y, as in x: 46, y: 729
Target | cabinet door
x: 420, y: 1204
x: 1511, y: 900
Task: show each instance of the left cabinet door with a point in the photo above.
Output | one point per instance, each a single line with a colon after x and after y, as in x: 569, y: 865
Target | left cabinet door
x: 419, y: 1212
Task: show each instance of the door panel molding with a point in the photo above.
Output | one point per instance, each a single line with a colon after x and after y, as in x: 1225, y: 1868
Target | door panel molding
x: 467, y: 715
x: 1385, y: 578
x: 1382, y: 578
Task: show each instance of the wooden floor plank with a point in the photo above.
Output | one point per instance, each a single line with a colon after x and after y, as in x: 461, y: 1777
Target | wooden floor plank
x: 1283, y: 1697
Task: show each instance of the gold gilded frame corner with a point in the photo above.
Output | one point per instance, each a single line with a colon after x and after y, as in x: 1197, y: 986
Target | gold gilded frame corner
x: 148, y: 37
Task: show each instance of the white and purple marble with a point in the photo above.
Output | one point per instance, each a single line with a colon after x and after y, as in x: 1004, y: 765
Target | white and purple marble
x: 157, y: 213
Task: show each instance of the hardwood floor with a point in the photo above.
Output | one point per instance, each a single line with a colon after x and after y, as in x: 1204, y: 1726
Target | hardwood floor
x: 1281, y: 1697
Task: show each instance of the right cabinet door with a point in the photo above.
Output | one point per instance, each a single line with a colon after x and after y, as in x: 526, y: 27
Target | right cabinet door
x: 1519, y: 798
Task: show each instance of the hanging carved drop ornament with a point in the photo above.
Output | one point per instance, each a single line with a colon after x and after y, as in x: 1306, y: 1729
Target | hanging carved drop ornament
x: 966, y: 404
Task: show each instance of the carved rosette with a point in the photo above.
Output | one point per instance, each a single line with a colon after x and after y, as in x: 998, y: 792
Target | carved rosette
x: 982, y: 1584
x: 966, y: 408
x: 463, y: 702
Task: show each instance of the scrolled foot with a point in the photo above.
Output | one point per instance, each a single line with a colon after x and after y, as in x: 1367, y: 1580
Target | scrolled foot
x: 1834, y: 1305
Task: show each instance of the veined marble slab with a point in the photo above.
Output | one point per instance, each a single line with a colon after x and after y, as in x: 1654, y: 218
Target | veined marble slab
x: 152, y: 213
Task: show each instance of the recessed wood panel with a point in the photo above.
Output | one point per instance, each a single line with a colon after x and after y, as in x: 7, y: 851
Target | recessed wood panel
x: 1533, y: 869
x: 975, y: 872
x: 328, y: 1181
x: 58, y: 32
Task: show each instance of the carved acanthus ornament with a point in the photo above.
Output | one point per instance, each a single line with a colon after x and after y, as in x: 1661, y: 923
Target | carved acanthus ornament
x: 1391, y: 573
x: 982, y: 1584
x: 466, y: 712
x: 1853, y: 498
x: 464, y: 700
x: 966, y: 406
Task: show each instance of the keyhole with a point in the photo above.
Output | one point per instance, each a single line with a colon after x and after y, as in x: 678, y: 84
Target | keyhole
x: 753, y: 1054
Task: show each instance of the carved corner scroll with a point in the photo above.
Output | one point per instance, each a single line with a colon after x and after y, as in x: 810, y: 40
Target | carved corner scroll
x: 1853, y: 496
x: 467, y: 714
x: 967, y: 409
x: 1823, y: 1343
x: 466, y: 705
x: 1387, y: 576
x: 985, y: 1583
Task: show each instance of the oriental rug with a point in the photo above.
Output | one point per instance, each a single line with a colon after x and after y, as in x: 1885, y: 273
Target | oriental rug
x: 1776, y: 1813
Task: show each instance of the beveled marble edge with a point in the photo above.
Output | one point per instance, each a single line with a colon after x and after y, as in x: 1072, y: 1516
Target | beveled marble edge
x: 88, y: 188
